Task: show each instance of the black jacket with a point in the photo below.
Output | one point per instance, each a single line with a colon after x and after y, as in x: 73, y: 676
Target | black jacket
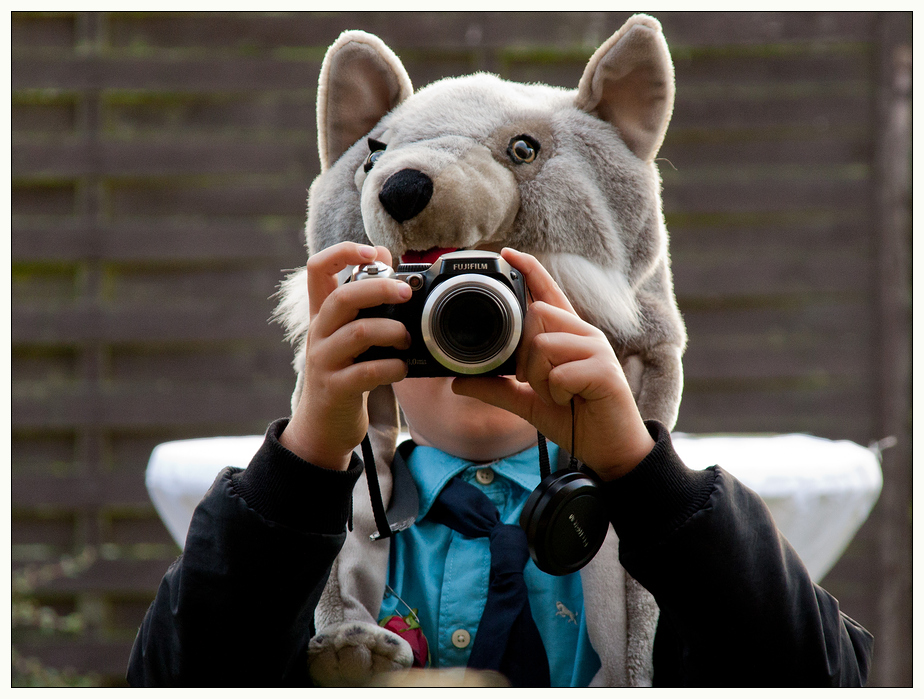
x: 738, y: 607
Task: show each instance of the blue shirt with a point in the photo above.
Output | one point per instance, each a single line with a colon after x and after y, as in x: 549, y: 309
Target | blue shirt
x: 444, y: 575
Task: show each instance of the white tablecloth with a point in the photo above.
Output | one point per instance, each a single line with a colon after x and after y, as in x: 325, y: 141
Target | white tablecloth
x: 819, y: 491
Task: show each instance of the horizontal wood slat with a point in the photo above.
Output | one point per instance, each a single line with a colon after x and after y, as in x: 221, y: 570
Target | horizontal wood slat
x: 163, y: 240
x: 809, y: 111
x: 264, y: 116
x: 767, y: 196
x: 156, y: 407
x: 749, y: 149
x: 797, y: 235
x: 821, y: 355
x: 708, y: 407
x: 729, y: 273
x: 208, y: 321
x: 142, y: 199
x: 101, y: 657
x: 74, y: 73
x: 121, y: 577
x: 787, y: 71
x: 460, y: 30
x: 79, y: 492
x: 157, y: 159
x: 42, y: 31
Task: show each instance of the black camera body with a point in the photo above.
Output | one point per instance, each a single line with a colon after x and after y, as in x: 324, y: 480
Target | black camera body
x: 465, y: 315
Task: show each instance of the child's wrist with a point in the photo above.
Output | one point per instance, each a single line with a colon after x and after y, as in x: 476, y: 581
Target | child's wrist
x: 630, y: 453
x: 295, y: 440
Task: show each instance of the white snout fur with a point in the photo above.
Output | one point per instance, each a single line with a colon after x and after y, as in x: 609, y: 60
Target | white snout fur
x: 603, y: 296
x: 474, y: 201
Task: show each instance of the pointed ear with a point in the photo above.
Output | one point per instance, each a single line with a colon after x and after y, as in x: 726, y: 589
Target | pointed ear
x: 361, y: 81
x: 629, y: 82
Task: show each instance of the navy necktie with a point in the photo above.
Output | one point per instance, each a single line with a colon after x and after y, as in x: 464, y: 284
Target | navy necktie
x: 507, y: 639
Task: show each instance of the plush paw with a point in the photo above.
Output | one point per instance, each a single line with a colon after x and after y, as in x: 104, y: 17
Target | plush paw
x: 352, y: 653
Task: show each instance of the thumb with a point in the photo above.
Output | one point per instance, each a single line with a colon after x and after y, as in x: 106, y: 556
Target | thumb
x: 501, y: 391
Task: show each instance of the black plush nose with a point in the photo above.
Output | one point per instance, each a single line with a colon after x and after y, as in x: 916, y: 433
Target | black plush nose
x: 405, y: 194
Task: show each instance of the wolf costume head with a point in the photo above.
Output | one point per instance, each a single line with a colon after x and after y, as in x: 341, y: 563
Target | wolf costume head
x: 479, y: 162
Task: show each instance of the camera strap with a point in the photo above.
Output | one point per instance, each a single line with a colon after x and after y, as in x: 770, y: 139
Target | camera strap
x: 402, y: 512
x: 545, y: 468
x: 375, y: 491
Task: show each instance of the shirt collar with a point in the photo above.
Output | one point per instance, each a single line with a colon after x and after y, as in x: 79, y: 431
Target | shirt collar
x: 432, y: 469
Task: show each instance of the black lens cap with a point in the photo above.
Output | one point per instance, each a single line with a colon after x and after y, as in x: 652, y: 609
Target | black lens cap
x: 565, y: 522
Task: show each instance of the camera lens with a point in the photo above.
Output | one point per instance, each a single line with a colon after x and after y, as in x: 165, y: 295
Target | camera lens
x: 472, y: 323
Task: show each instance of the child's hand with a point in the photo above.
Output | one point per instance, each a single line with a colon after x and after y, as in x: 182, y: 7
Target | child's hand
x: 330, y: 419
x: 562, y: 357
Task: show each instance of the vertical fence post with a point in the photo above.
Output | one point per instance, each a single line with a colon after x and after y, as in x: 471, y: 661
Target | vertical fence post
x: 91, y: 437
x: 892, y: 664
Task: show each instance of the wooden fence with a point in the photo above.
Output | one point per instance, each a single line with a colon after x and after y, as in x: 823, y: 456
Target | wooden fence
x: 159, y: 171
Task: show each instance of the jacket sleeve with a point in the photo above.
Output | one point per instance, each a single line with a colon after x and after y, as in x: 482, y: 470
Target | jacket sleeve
x: 237, y: 607
x: 738, y: 607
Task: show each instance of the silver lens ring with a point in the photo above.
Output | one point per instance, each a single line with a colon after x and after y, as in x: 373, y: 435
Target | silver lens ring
x: 500, y: 294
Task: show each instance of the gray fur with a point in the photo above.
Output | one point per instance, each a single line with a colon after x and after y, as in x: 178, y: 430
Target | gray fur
x: 588, y: 207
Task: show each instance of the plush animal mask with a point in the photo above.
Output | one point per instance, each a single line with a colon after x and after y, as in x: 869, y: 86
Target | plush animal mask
x: 479, y: 162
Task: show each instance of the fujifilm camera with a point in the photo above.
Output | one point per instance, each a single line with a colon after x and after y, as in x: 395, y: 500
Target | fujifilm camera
x: 465, y: 315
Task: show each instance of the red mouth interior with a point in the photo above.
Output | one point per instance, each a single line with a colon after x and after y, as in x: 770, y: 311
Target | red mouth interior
x: 426, y: 256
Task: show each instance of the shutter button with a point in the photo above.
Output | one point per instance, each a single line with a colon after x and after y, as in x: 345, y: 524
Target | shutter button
x: 485, y: 476
x: 461, y: 638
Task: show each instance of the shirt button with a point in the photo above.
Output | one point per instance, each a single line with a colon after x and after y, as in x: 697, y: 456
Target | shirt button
x: 461, y: 638
x: 485, y: 476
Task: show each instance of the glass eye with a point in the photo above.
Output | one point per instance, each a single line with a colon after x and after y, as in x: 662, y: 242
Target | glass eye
x: 523, y: 149
x: 376, y: 149
x: 371, y: 158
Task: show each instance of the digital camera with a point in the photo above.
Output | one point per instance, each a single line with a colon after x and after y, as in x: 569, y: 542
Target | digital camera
x: 465, y: 315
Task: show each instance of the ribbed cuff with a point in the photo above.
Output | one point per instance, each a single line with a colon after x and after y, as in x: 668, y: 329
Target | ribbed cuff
x: 285, y: 488
x: 659, y: 494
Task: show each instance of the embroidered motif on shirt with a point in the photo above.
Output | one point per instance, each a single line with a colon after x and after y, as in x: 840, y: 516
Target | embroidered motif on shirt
x: 565, y: 612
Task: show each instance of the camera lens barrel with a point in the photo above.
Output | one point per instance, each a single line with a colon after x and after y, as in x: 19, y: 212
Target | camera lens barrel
x: 471, y: 323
